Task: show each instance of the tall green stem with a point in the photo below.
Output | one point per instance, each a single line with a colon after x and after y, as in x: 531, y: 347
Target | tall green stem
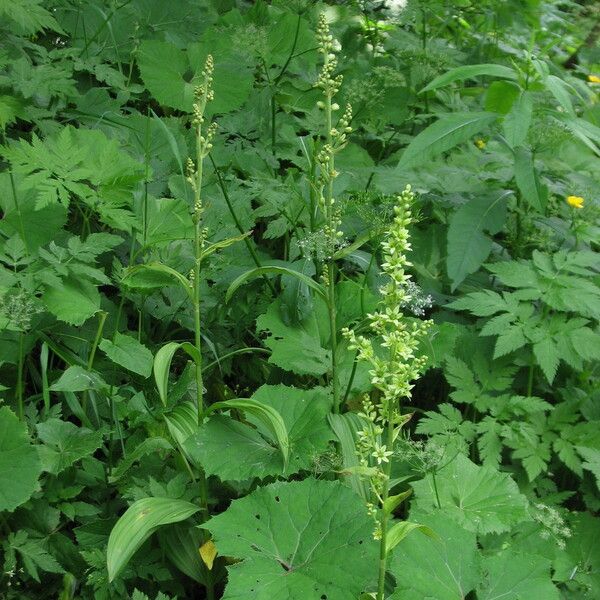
x: 20, y: 385
x: 329, y: 215
x: 384, y: 518
x: 198, y: 240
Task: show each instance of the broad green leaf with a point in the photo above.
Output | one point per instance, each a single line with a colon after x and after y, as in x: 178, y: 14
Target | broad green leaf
x: 481, y: 499
x: 65, y: 444
x: 398, y: 531
x: 470, y: 72
x: 78, y: 379
x: 162, y: 365
x: 514, y: 576
x: 263, y: 409
x: 516, y: 123
x: 138, y: 523
x: 297, y: 540
x: 444, y: 567
x: 252, y: 448
x: 167, y: 220
x: 579, y: 564
x: 127, y: 352
x: 171, y: 75
x: 528, y: 180
x: 296, y: 347
x: 500, y: 96
x: 253, y: 273
x: 74, y: 301
x: 468, y: 245
x: 19, y: 462
x: 444, y: 134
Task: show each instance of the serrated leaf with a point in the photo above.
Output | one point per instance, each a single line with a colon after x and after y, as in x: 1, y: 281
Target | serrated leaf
x: 294, y: 542
x: 516, y: 123
x: 74, y: 301
x: 251, y: 450
x: 138, y: 523
x: 78, y: 379
x: 591, y: 457
x: 65, y: 443
x: 528, y: 181
x: 19, y: 462
x: 547, y: 357
x: 443, y: 135
x: 171, y: 75
x: 468, y: 246
x: 127, y: 352
x: 444, y: 567
x: 514, y: 576
x: 479, y: 498
x: 297, y: 348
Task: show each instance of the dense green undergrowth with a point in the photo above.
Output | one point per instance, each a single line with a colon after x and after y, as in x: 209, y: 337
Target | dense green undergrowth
x: 299, y: 300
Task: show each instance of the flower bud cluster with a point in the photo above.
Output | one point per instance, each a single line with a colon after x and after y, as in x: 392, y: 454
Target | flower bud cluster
x: 204, y: 92
x: 327, y: 81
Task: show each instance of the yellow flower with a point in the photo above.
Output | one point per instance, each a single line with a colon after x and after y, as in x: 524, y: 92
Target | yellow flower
x: 575, y: 201
x: 480, y: 144
x: 593, y: 79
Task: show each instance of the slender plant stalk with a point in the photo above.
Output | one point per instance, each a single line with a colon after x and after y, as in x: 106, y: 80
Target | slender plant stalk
x: 92, y: 355
x: 20, y: 383
x: 384, y: 515
x: 203, y: 94
x: 331, y: 263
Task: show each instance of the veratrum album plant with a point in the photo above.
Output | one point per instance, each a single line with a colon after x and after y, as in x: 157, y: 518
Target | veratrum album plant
x: 299, y: 300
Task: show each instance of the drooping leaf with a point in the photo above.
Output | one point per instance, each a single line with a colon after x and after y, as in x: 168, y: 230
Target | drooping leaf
x: 296, y: 543
x: 443, y: 135
x: 470, y: 72
x: 138, y: 523
x: 162, y: 365
x: 19, y: 462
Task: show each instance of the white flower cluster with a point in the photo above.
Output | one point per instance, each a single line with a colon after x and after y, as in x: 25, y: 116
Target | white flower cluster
x: 395, y: 366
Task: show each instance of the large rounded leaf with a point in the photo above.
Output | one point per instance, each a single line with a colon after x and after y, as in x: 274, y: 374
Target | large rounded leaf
x: 300, y: 540
x: 19, y: 462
